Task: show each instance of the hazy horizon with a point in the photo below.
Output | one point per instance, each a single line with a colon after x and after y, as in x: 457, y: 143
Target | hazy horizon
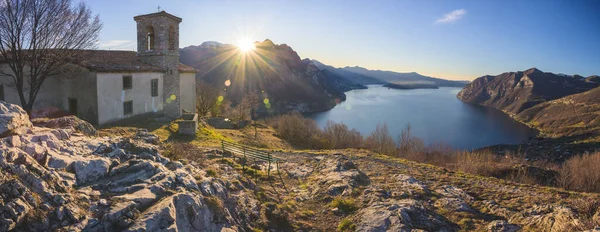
x: 458, y: 40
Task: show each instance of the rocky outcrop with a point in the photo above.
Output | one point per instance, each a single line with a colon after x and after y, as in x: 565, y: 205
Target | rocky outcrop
x: 514, y: 92
x: 502, y: 226
x: 400, y: 215
x: 338, y: 177
x: 13, y: 120
x: 79, y: 125
x: 57, y: 179
x: 406, y: 196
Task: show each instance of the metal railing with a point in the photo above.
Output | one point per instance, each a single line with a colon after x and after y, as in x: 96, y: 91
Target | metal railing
x: 245, y: 153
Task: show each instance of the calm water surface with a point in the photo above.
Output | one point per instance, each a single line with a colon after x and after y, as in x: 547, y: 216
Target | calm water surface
x: 435, y: 115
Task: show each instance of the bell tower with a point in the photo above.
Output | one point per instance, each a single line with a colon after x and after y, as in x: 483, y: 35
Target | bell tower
x: 158, y: 45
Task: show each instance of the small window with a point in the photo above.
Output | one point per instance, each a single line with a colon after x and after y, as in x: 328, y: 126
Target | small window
x: 128, y: 107
x: 154, y: 87
x: 1, y: 92
x: 73, y: 106
x: 127, y: 82
x: 150, y: 38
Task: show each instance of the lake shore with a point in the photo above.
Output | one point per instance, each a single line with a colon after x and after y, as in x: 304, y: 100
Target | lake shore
x: 435, y: 115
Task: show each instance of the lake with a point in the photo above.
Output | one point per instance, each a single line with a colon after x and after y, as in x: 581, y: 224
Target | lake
x: 435, y: 115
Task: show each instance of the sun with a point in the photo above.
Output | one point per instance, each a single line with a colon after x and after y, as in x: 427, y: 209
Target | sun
x: 245, y: 45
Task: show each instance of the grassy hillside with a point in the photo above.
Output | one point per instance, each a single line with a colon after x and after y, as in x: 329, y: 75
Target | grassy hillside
x: 573, y: 115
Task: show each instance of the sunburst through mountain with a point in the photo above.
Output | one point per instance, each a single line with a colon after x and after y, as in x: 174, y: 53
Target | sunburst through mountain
x: 272, y: 71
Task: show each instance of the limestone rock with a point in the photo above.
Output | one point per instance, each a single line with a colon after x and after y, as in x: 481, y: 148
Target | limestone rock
x: 66, y: 122
x: 59, y: 180
x: 403, y: 215
x: 15, y: 204
x: 90, y: 170
x: 13, y: 120
x: 502, y: 226
x: 412, y: 183
x: 339, y: 177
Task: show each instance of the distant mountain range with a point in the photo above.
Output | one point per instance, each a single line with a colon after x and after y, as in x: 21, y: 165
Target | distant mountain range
x: 366, y: 76
x: 556, y: 104
x: 291, y: 83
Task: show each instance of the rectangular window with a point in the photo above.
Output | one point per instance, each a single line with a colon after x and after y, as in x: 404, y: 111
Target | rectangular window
x: 128, y: 107
x: 73, y: 106
x: 154, y: 87
x: 1, y: 92
x: 127, y: 82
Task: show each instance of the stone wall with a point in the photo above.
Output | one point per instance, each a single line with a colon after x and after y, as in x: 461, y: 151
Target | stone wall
x: 161, y: 55
x: 189, y: 124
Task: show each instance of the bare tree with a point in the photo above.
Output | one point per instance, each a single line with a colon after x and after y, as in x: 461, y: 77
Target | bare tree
x: 39, y: 37
x: 253, y: 102
x: 408, y: 143
x: 381, y: 141
x: 206, y: 98
x: 243, y: 109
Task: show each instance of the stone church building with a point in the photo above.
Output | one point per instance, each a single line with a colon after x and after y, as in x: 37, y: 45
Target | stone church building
x: 107, y: 86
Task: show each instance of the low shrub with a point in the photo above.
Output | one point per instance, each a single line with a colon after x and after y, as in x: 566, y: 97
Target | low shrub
x: 481, y: 163
x: 407, y: 143
x: 306, y: 214
x: 178, y: 150
x: 299, y: 131
x: 339, y: 136
x: 344, y: 205
x: 216, y: 206
x: 381, y: 141
x: 588, y: 210
x: 346, y: 225
x: 580, y: 173
x: 277, y: 216
x: 211, y: 173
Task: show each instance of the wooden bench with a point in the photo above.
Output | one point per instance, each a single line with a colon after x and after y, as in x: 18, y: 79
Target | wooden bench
x: 245, y: 152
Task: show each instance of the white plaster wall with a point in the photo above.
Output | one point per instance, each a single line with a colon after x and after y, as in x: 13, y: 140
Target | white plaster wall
x: 49, y: 94
x: 111, y: 95
x: 77, y: 82
x: 188, y: 91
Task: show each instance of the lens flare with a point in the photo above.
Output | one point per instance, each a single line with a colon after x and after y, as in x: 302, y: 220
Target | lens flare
x: 246, y: 45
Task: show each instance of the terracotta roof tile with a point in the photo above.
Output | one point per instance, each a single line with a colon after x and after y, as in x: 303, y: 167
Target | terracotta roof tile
x: 186, y: 69
x: 113, y: 61
x: 118, y: 61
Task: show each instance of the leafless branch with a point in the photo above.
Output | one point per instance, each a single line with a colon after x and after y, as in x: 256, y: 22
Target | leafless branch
x: 39, y: 37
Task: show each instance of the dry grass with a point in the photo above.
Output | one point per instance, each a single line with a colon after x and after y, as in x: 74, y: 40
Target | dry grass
x: 588, y: 210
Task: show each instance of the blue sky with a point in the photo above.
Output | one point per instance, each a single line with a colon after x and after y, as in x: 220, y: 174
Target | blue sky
x: 448, y: 39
